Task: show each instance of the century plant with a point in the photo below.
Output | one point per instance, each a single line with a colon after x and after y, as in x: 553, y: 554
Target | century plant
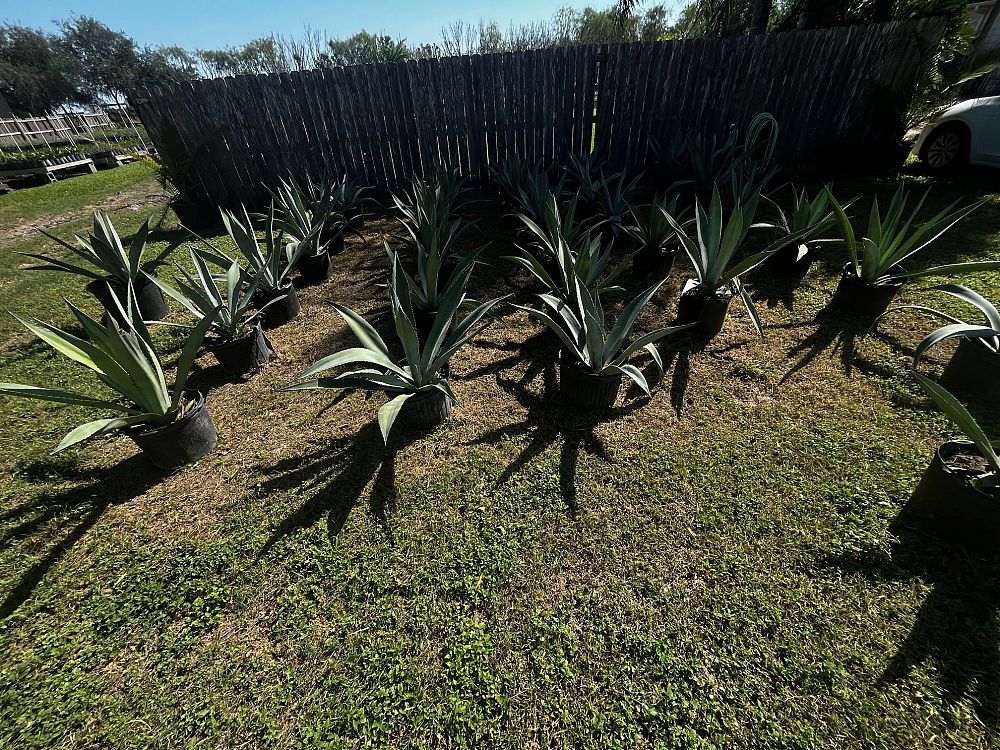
x: 557, y: 223
x: 230, y: 298
x: 347, y: 196
x: 375, y: 369
x: 814, y: 216
x: 587, y: 173
x: 988, y: 334
x: 430, y: 203
x: 302, y: 214
x: 714, y: 245
x: 891, y: 240
x: 124, y: 360
x: 614, y: 199
x: 581, y: 326
x: 649, y: 226
x: 270, y: 265
x: 104, y: 251
x: 589, y: 263
x: 433, y: 281
x: 965, y: 422
x: 512, y: 173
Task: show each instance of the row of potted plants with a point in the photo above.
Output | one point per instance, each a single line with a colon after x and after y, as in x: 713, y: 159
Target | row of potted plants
x: 570, y: 250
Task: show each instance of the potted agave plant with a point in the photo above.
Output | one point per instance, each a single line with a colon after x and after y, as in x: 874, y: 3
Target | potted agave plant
x: 960, y: 491
x: 417, y: 389
x: 562, y: 265
x: 235, y: 338
x: 170, y: 424
x: 705, y: 299
x: 116, y: 268
x: 270, y: 266
x: 594, y: 360
x: 614, y: 204
x: 349, y: 203
x: 811, y: 217
x: 974, y: 368
x: 432, y: 285
x: 875, y: 273
x: 174, y: 168
x: 303, y: 216
x: 651, y: 231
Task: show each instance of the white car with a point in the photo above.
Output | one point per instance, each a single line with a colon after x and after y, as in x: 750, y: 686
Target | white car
x: 967, y: 133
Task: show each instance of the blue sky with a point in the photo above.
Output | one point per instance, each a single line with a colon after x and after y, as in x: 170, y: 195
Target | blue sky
x: 216, y: 23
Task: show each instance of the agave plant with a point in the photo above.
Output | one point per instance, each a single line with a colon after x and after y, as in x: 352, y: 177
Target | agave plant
x: 534, y: 196
x: 587, y: 174
x: 512, y: 173
x: 558, y: 223
x: 812, y: 215
x: 174, y: 162
x: 302, y: 215
x: 269, y: 266
x: 421, y: 369
x: 124, y: 360
x: 348, y: 198
x: 988, y: 334
x: 714, y: 245
x: 582, y: 328
x: 230, y: 299
x: 891, y: 240
x: 614, y: 201
x: 589, y: 263
x: 649, y: 226
x: 957, y: 413
x: 431, y: 203
x: 433, y: 281
x: 104, y: 252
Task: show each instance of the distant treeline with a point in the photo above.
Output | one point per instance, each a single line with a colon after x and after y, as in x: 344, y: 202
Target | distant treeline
x: 84, y: 62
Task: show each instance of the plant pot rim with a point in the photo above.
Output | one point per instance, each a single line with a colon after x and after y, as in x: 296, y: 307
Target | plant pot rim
x: 884, y: 281
x: 951, y: 448
x: 693, y: 288
x: 178, y: 424
x: 115, y: 282
x: 584, y: 369
x: 251, y: 330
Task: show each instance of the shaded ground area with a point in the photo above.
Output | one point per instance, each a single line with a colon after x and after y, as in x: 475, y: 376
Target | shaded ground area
x: 722, y: 565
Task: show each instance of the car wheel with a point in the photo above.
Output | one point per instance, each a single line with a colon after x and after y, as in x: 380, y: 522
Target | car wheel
x: 947, y: 148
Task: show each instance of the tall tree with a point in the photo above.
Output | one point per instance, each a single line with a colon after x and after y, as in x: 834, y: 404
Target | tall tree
x: 109, y: 59
x: 37, y: 72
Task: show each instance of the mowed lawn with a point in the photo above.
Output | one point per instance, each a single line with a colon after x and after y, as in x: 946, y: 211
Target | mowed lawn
x: 719, y: 566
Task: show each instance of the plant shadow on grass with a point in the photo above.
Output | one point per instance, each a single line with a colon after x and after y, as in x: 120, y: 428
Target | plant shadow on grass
x: 76, y: 510
x: 335, y: 475
x: 956, y: 627
x: 548, y: 420
x: 833, y: 328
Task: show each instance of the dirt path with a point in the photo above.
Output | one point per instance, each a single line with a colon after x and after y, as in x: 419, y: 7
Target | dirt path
x: 135, y: 198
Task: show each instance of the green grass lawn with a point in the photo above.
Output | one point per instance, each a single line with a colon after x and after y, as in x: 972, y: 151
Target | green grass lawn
x: 720, y: 566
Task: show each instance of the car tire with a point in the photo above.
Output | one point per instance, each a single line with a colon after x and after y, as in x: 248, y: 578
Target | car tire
x: 946, y: 149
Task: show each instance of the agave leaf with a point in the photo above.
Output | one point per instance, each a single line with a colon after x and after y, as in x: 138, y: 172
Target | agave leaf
x: 958, y: 414
x: 751, y: 308
x: 363, y: 331
x: 949, y: 269
x: 973, y: 298
x: 635, y: 374
x: 97, y: 428
x: 188, y: 354
x: 955, y: 330
x: 352, y: 356
x: 60, y: 397
x: 388, y: 412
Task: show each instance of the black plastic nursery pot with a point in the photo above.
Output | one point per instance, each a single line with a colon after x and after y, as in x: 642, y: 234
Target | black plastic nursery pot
x: 586, y: 390
x: 282, y: 311
x: 855, y: 295
x: 152, y: 304
x: 333, y: 239
x: 426, y: 409
x: 356, y: 219
x: 793, y: 261
x: 315, y: 269
x: 706, y: 311
x: 948, y: 502
x: 974, y: 369
x: 196, y: 215
x: 242, y: 355
x: 182, y: 441
x: 653, y: 262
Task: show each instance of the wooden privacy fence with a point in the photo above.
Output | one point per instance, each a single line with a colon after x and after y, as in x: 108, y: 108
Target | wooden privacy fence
x: 831, y: 90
